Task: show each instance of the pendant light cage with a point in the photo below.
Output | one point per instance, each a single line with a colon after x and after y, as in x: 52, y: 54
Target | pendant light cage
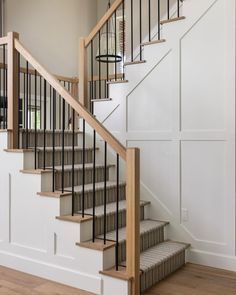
x: 109, y: 45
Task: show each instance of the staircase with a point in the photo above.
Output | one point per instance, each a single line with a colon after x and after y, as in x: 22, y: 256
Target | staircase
x: 158, y: 257
x: 79, y: 166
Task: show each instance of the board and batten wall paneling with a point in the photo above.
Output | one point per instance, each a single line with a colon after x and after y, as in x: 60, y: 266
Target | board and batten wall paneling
x: 179, y: 109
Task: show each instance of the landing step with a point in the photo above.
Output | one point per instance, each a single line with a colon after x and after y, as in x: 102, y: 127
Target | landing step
x: 153, y: 42
x: 78, y: 189
x: 130, y: 63
x: 171, y: 20
x: 66, y: 148
x: 160, y: 261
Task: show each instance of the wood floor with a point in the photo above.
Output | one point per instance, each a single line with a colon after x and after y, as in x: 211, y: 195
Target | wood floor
x: 191, y: 280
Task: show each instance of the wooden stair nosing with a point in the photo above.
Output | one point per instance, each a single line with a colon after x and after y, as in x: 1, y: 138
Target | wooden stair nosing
x: 130, y: 63
x: 171, y: 20
x: 153, y: 42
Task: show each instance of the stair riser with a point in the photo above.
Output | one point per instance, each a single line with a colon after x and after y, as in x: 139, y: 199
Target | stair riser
x: 68, y: 139
x: 147, y: 240
x: 78, y: 156
x: 88, y: 197
x: 78, y: 177
x: 111, y: 221
x: 161, y: 271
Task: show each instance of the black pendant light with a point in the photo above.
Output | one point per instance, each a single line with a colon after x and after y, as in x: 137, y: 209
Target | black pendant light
x: 108, y: 51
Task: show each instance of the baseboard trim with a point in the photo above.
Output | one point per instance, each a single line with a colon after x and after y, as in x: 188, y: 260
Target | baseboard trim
x: 216, y: 260
x: 51, y: 272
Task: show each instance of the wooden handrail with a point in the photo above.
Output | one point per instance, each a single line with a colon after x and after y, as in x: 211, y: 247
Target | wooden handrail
x: 4, y: 40
x: 77, y: 106
x: 102, y: 21
x: 58, y: 77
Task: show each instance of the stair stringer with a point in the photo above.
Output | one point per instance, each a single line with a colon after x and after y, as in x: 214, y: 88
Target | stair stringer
x: 204, y: 252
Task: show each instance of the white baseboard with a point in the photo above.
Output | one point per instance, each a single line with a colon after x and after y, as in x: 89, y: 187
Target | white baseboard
x: 51, y: 272
x: 212, y: 259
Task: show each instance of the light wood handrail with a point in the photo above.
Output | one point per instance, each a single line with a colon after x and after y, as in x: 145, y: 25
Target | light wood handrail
x: 102, y: 21
x: 58, y: 77
x: 4, y: 40
x: 77, y: 106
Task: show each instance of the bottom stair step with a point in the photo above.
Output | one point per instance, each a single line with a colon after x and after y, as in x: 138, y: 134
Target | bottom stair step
x: 160, y: 261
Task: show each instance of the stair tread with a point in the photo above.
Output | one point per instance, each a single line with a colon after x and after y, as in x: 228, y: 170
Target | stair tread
x: 98, y: 186
x: 80, y: 166
x: 160, y: 253
x: 145, y: 226
x: 66, y: 148
x: 110, y: 208
x: 50, y: 131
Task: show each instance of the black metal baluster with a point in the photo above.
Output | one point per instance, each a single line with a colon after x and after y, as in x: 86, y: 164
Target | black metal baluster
x: 115, y: 46
x: 105, y: 192
x: 24, y: 97
x: 99, y: 64
x: 35, y: 119
x: 20, y: 105
x: 50, y: 107
x: 1, y: 102
x: 27, y: 103
x: 132, y: 33
x: 140, y: 29
x: 83, y: 177
x: 159, y: 20
x: 91, y: 87
x: 94, y: 183
x: 178, y: 8
x: 117, y: 209
x: 40, y: 100
x: 45, y: 124
x: 123, y: 37
x: 107, y: 63
x: 30, y: 102
x: 53, y: 137
x: 168, y: 9
x: 68, y: 106
x: 63, y: 146
x: 149, y: 20
x: 73, y: 162
x: 4, y: 89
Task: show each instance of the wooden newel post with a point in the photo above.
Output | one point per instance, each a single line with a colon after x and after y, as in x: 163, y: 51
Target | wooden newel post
x: 83, y: 74
x: 133, y: 218
x: 12, y: 91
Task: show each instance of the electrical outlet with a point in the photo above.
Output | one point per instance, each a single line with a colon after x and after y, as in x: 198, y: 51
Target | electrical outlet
x: 185, y: 216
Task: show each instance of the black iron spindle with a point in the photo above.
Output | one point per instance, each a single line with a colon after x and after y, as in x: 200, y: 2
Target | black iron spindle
x: 159, y: 19
x: 24, y: 104
x: 27, y: 104
x: 178, y: 8
x: 63, y: 145
x: 140, y: 29
x: 30, y: 102
x: 73, y: 163
x: 168, y: 9
x: 132, y: 33
x: 94, y: 183
x: 35, y: 119
x: 149, y: 20
x: 83, y: 176
x: 117, y: 208
x: 40, y: 100
x: 115, y: 46
x: 105, y: 192
x: 53, y: 137
x: 107, y: 63
x: 123, y: 37
x: 45, y: 124
x: 99, y: 64
x: 4, y: 89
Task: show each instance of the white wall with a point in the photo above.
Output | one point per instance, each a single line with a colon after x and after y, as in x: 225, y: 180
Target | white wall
x: 51, y: 29
x: 179, y: 109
